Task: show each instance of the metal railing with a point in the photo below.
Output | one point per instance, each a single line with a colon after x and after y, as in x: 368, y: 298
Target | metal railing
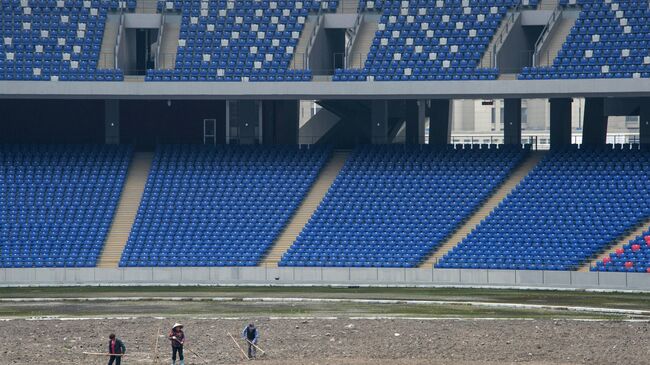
x: 120, y: 31
x: 314, y: 33
x: 546, y: 31
x: 504, y: 30
x: 538, y: 140
x: 353, y: 36
x: 161, y: 30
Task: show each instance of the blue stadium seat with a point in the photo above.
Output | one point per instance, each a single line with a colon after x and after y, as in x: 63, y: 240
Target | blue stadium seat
x: 391, y: 205
x: 218, y: 206
x: 570, y: 207
x: 57, y: 202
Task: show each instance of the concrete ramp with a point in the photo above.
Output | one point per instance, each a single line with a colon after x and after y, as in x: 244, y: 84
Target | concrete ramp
x: 107, y: 52
x: 634, y: 233
x: 318, y: 126
x: 169, y: 43
x: 299, y: 60
x: 126, y: 211
x: 556, y: 37
x: 518, y: 174
x: 362, y: 42
x: 306, y: 209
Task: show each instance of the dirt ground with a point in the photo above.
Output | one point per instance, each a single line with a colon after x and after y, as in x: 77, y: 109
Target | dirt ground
x: 335, y: 341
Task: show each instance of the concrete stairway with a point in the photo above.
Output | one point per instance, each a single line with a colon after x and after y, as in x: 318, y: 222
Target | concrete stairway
x: 547, y: 4
x: 169, y: 45
x: 483, y: 211
x: 347, y: 6
x: 107, y: 52
x: 363, y: 41
x: 306, y: 208
x: 554, y: 41
x: 299, y: 60
x: 146, y: 7
x: 127, y: 208
x: 634, y: 233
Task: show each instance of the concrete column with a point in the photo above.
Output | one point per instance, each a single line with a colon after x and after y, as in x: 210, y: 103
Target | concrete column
x: 512, y: 121
x: 415, y: 123
x: 560, y: 122
x: 280, y: 120
x: 379, y: 122
x: 644, y: 122
x: 245, y: 117
x: 112, y: 121
x: 439, y: 111
x: 594, y: 129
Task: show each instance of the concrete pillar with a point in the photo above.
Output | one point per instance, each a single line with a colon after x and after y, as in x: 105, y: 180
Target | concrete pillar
x: 560, y: 122
x: 439, y: 121
x: 379, y: 122
x: 415, y: 123
x: 245, y: 121
x: 512, y: 121
x: 644, y: 122
x: 280, y: 119
x: 594, y: 129
x: 112, y: 121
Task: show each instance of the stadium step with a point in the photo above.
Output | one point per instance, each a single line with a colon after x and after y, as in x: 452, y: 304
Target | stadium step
x: 634, y: 233
x: 484, y: 210
x: 146, y: 7
x: 363, y: 41
x: 306, y: 209
x: 107, y: 52
x: 554, y: 41
x: 127, y: 209
x: 299, y: 59
x: 169, y: 42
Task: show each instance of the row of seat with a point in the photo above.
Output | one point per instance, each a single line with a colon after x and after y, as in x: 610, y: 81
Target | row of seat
x: 572, y: 205
x: 221, y: 206
x: 58, y: 202
x: 391, y: 205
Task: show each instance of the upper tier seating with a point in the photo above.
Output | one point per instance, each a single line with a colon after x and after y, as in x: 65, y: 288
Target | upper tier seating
x: 218, y: 206
x: 431, y: 40
x: 390, y: 206
x: 238, y: 40
x: 570, y: 207
x: 632, y: 257
x: 610, y: 39
x: 57, y: 203
x: 54, y: 40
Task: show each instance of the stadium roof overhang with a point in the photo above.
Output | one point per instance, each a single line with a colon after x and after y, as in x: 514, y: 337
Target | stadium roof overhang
x: 327, y: 90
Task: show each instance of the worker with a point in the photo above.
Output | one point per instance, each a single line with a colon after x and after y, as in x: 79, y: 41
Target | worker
x: 116, y: 348
x: 177, y: 338
x: 250, y: 334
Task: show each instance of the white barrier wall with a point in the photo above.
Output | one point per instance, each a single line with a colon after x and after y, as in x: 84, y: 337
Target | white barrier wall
x: 323, y: 276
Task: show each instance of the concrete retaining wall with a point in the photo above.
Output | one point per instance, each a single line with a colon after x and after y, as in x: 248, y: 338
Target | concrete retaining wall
x: 324, y: 276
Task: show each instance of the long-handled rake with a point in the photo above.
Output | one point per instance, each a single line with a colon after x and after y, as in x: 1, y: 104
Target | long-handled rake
x: 257, y: 347
x: 244, y: 355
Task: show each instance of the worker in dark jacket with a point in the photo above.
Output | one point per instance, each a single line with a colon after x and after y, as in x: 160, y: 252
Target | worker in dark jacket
x: 115, y: 347
x: 177, y: 338
x: 250, y: 334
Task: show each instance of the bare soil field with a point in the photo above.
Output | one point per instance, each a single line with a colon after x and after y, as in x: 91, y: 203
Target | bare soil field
x: 296, y: 341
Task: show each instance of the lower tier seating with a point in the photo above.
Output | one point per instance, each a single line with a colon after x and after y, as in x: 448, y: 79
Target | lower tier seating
x: 57, y: 203
x: 632, y: 257
x: 390, y: 206
x: 570, y: 207
x: 218, y: 206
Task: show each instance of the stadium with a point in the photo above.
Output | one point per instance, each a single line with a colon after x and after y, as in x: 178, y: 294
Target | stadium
x: 324, y: 181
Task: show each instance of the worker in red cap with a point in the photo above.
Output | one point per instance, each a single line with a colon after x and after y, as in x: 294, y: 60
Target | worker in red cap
x: 177, y: 338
